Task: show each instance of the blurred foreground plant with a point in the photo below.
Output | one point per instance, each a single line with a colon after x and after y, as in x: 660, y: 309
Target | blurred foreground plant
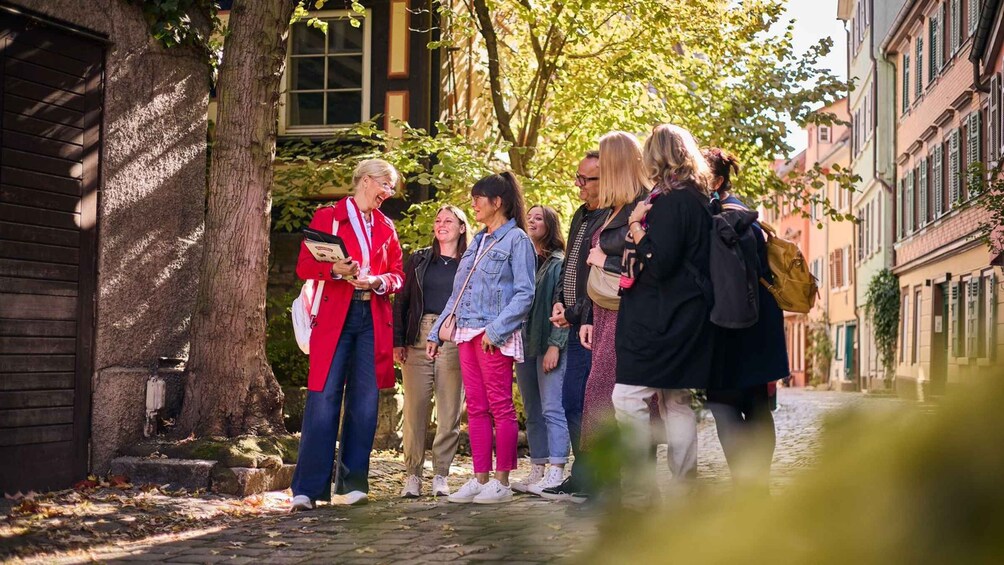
x: 904, y: 485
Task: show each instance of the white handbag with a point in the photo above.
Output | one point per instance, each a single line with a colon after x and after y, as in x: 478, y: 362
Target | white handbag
x: 305, y: 307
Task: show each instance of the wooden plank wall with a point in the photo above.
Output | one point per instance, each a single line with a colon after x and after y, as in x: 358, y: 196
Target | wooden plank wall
x: 49, y: 155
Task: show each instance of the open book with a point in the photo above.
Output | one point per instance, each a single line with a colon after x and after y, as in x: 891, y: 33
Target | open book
x: 324, y: 247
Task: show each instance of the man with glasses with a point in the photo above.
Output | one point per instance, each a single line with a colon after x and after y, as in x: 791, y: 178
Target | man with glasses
x: 567, y: 313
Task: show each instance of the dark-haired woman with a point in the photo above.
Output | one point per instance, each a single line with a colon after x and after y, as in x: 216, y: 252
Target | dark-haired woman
x: 751, y: 359
x: 428, y: 282
x: 541, y: 375
x: 491, y: 297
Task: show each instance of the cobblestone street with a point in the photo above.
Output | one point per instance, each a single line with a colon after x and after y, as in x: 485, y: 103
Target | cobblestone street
x: 393, y: 530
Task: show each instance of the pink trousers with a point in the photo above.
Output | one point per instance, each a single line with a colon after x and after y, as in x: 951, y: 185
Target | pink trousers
x: 491, y: 415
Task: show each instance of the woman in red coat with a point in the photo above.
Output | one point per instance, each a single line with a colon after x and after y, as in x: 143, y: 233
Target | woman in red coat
x: 351, y: 345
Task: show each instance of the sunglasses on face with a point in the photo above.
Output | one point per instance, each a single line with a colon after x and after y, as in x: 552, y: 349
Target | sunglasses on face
x: 582, y: 179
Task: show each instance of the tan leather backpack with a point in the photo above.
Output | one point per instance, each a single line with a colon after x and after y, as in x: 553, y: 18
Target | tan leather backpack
x: 794, y: 288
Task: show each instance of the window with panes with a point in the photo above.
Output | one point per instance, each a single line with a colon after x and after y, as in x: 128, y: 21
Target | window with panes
x: 915, y: 341
x: 327, y: 75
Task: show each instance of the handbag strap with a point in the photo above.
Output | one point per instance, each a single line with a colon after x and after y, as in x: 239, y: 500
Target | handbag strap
x: 477, y: 260
x: 316, y: 304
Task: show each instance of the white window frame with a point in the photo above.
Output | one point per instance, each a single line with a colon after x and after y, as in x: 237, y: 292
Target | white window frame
x: 284, y: 128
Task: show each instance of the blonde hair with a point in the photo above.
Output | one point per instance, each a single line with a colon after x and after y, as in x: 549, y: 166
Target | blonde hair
x: 622, y: 172
x: 672, y: 155
x: 374, y: 168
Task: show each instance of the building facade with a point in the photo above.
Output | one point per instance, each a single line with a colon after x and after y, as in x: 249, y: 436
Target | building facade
x: 872, y: 152
x: 949, y: 313
x: 792, y: 224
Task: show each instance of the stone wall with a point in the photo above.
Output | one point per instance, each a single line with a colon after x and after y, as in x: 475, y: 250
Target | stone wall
x: 150, y: 210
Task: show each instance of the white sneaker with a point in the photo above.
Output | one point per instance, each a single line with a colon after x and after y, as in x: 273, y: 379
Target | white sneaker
x: 351, y: 498
x: 552, y: 478
x: 300, y: 502
x: 536, y: 474
x: 467, y: 492
x: 439, y: 486
x: 412, y: 487
x: 493, y: 492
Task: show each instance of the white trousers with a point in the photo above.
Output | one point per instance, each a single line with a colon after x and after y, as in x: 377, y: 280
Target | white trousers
x: 632, y: 409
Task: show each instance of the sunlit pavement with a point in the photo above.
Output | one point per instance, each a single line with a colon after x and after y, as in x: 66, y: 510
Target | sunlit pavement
x: 391, y: 530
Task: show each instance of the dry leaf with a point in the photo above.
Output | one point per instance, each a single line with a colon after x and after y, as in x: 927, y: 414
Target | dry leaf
x: 277, y: 543
x: 366, y: 549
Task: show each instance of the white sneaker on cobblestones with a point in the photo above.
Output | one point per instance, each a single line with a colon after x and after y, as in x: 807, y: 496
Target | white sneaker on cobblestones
x: 493, y: 492
x: 552, y: 478
x: 467, y: 492
x: 352, y: 498
x: 300, y: 502
x: 536, y: 474
x: 439, y: 486
x: 412, y: 487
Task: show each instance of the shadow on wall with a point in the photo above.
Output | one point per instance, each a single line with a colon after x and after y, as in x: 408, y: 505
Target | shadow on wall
x: 904, y: 486
x: 150, y: 224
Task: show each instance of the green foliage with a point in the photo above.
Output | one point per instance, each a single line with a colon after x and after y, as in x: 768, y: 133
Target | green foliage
x: 181, y: 23
x: 990, y: 197
x: 289, y: 364
x: 882, y: 308
x: 563, y: 74
x: 444, y: 165
x: 820, y: 352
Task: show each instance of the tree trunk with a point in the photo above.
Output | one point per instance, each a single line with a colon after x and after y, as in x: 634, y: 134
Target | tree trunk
x: 230, y: 389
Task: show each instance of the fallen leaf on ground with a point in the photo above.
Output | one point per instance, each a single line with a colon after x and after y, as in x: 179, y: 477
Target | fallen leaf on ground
x: 277, y: 544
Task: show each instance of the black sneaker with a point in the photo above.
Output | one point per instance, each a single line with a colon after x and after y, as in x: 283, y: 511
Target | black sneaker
x: 564, y: 491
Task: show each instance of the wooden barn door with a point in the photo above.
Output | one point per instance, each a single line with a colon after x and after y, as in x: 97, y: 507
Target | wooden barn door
x: 50, y: 126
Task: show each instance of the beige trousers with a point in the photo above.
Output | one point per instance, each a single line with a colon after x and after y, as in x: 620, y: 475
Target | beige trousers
x: 423, y: 380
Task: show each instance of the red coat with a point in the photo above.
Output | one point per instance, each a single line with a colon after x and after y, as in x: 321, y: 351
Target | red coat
x: 385, y: 262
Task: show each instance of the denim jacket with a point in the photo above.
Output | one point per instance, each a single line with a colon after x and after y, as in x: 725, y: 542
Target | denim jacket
x: 500, y: 293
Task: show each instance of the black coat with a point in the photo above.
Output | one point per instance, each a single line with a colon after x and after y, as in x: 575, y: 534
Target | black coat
x: 665, y: 338
x: 593, y: 219
x: 409, y: 305
x: 756, y: 355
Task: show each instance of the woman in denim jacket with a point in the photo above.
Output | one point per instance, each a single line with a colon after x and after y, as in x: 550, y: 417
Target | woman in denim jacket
x: 490, y: 311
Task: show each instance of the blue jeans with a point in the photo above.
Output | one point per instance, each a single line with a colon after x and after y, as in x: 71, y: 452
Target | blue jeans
x: 546, y: 428
x: 573, y: 390
x: 353, y: 376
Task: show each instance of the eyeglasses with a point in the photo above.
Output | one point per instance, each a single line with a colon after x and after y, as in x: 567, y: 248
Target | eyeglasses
x: 387, y: 186
x: 582, y: 179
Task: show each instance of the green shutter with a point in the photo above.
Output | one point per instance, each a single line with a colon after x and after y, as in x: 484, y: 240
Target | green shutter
x: 954, y: 322
x: 954, y: 174
x: 906, y: 82
x: 922, y: 195
x: 918, y: 85
x: 938, y: 183
x: 990, y: 312
x: 932, y: 42
x: 955, y: 25
x: 974, y: 16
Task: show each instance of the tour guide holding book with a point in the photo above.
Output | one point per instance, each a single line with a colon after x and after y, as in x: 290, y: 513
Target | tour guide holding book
x: 351, y: 344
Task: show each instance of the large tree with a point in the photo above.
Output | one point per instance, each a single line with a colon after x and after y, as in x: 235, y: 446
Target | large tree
x: 561, y: 74
x: 230, y: 387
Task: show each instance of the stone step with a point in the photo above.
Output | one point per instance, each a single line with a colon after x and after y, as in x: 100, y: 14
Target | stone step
x: 196, y: 474
x: 190, y: 474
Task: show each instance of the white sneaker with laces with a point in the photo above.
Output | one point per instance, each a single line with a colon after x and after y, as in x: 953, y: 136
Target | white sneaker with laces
x: 412, y: 487
x: 439, y: 486
x: 493, y: 492
x: 467, y: 492
x: 301, y: 502
x: 353, y: 498
x: 536, y: 474
x: 552, y: 478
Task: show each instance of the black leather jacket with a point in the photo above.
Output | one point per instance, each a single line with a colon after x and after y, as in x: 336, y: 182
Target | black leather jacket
x: 409, y: 304
x: 593, y: 220
x: 612, y: 240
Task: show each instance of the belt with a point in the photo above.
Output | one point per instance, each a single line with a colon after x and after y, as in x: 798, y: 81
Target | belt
x: 362, y: 295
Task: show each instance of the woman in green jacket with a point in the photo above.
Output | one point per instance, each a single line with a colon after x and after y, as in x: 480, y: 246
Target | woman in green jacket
x: 541, y: 374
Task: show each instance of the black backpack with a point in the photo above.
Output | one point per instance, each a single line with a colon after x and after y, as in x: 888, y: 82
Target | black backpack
x: 735, y: 274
